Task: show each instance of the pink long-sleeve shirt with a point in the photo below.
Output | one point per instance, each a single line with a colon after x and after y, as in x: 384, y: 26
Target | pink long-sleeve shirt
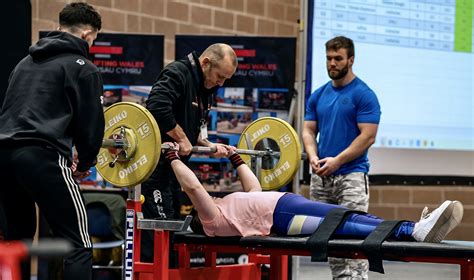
x: 243, y: 214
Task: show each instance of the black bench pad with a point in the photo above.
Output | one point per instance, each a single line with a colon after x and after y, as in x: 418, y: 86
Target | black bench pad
x: 390, y: 249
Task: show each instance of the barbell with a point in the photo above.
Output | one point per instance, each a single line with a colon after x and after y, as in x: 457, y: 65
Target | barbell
x: 132, y: 146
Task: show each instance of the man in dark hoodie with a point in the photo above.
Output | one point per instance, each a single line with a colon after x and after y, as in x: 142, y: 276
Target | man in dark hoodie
x: 53, y: 102
x: 180, y: 100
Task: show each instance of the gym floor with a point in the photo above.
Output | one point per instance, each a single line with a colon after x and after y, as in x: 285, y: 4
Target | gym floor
x: 393, y: 270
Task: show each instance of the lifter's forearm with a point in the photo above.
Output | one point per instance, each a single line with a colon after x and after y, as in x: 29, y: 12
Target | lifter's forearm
x: 249, y: 181
x: 186, y: 177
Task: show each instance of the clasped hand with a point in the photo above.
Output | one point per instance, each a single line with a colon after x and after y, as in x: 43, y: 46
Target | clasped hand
x: 326, y: 166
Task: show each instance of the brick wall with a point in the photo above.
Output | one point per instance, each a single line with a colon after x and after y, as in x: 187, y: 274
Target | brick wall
x: 209, y: 17
x: 407, y: 202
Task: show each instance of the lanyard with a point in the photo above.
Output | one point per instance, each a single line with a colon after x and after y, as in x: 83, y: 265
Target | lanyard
x: 203, y: 111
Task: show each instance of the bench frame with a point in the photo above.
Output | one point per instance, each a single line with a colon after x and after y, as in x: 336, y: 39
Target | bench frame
x: 277, y: 258
x: 258, y: 254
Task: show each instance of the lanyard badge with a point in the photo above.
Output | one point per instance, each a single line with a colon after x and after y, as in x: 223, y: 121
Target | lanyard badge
x: 203, y: 127
x: 203, y: 112
x: 203, y: 109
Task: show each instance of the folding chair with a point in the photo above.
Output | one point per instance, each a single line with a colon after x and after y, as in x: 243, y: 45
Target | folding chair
x: 100, y: 226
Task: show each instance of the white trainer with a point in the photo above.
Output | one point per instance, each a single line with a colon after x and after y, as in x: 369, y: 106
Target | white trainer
x: 433, y: 227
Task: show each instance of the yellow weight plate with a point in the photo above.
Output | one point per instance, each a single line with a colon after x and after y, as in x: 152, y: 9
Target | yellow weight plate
x: 143, y: 134
x: 280, y: 136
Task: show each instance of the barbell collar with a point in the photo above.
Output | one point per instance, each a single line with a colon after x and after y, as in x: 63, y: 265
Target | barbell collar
x: 114, y: 143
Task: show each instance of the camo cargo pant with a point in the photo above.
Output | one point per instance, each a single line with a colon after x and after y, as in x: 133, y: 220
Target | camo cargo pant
x: 352, y: 191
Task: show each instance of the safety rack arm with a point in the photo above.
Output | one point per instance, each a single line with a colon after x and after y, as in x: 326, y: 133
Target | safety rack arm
x: 169, y: 225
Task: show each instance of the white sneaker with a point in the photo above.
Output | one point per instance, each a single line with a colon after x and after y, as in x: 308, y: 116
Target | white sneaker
x: 434, y: 226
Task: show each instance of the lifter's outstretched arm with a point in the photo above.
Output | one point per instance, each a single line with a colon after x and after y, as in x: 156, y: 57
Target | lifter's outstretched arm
x: 198, y: 195
x: 249, y: 181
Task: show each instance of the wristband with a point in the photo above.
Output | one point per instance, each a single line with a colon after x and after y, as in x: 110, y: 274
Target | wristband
x: 236, y: 160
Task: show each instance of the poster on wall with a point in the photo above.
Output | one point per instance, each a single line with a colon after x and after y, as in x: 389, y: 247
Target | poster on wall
x: 264, y: 62
x: 129, y: 65
x: 127, y: 59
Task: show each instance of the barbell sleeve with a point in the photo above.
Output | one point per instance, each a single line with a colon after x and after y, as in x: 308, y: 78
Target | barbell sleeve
x: 114, y: 143
x: 122, y: 143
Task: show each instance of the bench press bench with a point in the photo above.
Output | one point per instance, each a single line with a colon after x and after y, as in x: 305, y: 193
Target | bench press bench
x: 274, y: 250
x: 261, y: 250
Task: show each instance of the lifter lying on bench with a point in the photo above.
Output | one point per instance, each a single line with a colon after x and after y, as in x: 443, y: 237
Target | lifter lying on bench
x: 253, y: 212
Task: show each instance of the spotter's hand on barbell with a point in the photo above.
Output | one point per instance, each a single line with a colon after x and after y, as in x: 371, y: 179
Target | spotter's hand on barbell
x: 168, y: 147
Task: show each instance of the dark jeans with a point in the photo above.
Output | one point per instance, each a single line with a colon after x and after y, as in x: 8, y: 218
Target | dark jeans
x: 162, y: 194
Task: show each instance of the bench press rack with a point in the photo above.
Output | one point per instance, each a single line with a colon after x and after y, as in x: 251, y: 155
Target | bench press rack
x: 261, y: 250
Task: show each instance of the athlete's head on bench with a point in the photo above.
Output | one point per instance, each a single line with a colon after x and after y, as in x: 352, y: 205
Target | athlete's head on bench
x: 253, y: 212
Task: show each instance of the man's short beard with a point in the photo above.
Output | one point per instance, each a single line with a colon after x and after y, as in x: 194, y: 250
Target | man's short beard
x: 339, y: 75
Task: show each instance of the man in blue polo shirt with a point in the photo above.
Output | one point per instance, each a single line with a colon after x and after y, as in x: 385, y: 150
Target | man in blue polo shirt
x: 345, y: 113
